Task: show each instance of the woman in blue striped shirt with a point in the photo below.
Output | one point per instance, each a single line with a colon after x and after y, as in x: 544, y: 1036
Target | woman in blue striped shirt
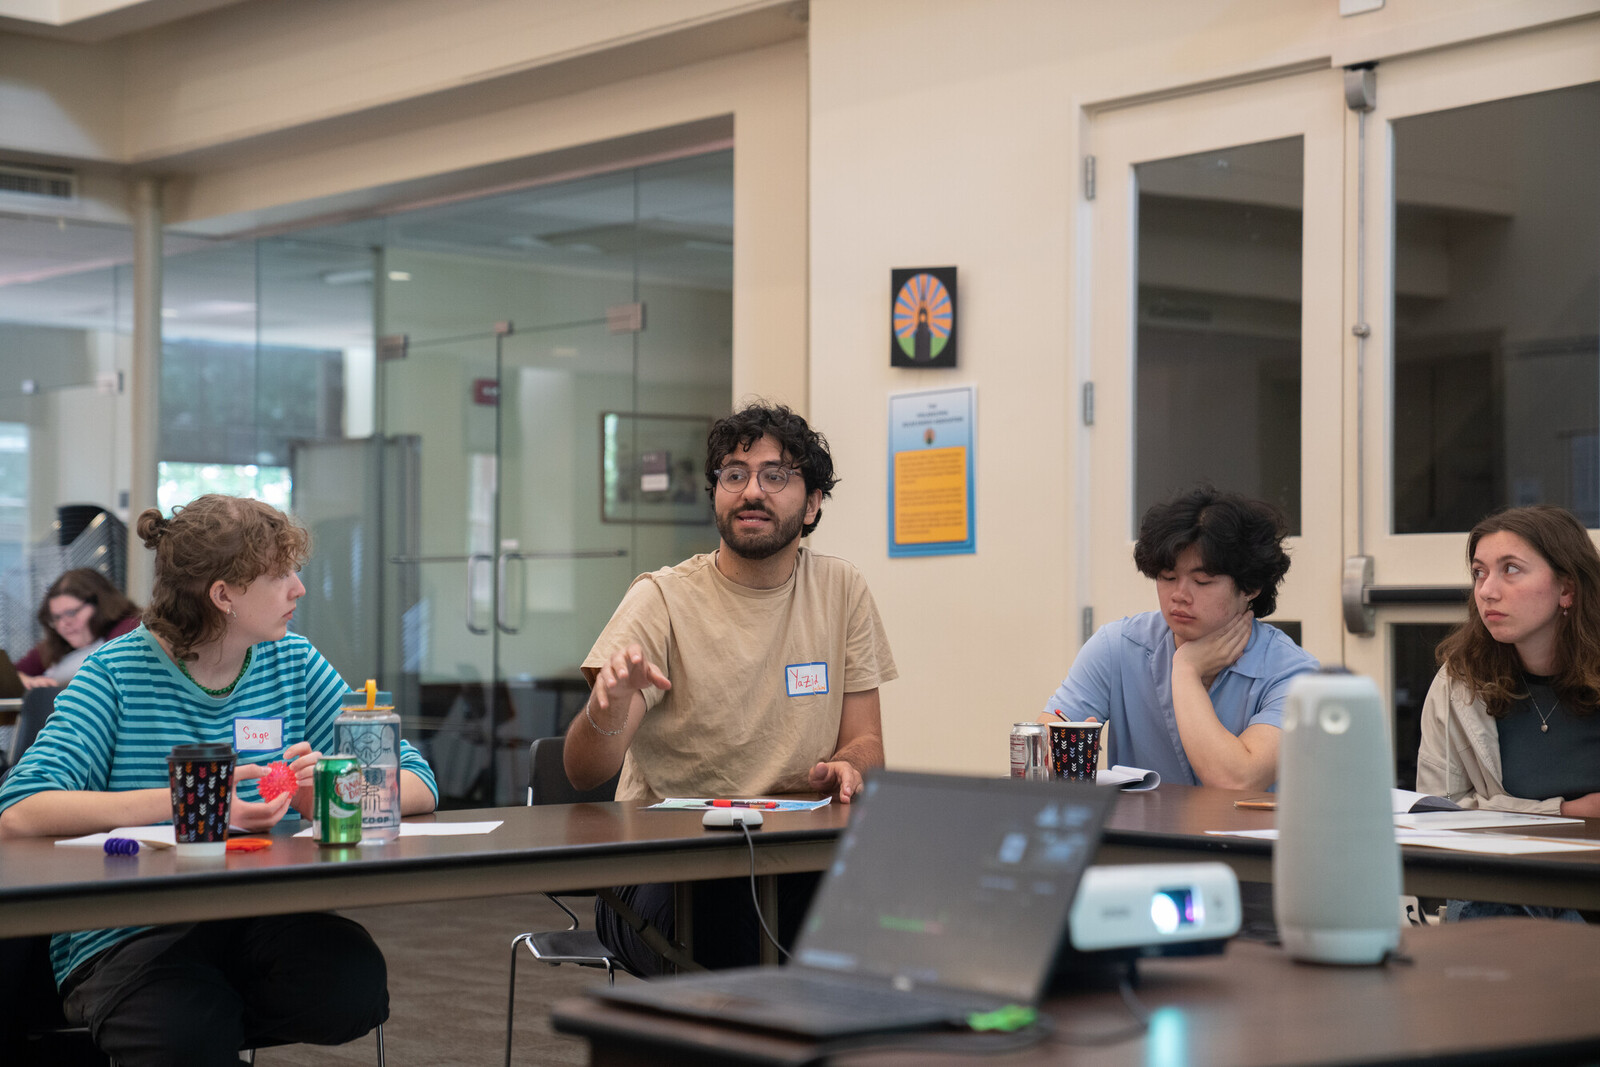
x: 213, y: 662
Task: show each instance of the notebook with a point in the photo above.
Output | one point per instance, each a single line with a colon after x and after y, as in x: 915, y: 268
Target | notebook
x: 10, y: 681
x: 946, y: 896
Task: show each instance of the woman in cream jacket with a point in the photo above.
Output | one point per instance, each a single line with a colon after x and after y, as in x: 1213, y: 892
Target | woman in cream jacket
x: 1510, y: 721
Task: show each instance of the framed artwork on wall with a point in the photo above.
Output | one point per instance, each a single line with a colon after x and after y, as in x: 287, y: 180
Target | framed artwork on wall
x: 922, y: 317
x: 652, y: 468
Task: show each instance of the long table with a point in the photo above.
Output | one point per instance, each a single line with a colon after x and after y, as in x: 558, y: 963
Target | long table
x: 48, y: 888
x: 45, y: 888
x: 1492, y: 991
x: 1170, y: 824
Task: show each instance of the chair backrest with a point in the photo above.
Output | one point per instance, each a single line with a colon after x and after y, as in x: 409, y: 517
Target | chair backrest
x: 37, y: 704
x: 547, y: 777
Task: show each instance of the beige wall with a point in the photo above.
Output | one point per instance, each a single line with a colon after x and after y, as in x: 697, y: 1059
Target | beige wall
x: 898, y: 133
x: 946, y: 132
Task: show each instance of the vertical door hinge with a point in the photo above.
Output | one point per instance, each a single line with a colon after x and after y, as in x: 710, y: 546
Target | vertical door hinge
x: 1088, y: 177
x: 1088, y: 403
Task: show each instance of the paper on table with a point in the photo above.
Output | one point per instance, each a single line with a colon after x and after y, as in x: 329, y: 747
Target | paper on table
x: 765, y: 803
x: 164, y: 835
x: 1491, y: 844
x: 1474, y: 818
x: 436, y: 829
x: 1404, y: 800
x: 161, y: 835
x: 1131, y: 779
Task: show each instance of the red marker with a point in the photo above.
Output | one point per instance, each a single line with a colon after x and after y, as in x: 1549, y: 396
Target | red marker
x: 766, y: 805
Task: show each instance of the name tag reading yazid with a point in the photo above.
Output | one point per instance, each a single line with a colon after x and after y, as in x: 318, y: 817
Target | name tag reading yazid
x: 806, y: 679
x: 257, y: 735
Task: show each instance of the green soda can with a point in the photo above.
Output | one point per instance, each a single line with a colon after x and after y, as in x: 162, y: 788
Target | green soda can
x: 339, y: 786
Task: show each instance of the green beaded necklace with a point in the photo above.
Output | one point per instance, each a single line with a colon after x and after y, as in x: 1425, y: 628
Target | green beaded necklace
x: 225, y: 690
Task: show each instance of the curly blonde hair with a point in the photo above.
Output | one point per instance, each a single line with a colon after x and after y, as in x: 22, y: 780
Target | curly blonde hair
x: 212, y: 538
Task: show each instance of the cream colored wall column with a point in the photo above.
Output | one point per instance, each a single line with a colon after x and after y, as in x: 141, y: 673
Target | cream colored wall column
x: 144, y: 383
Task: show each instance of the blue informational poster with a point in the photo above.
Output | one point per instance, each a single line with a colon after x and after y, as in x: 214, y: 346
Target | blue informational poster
x: 930, y: 473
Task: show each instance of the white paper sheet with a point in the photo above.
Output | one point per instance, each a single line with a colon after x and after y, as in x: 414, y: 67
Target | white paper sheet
x: 435, y: 829
x: 1488, y: 844
x: 159, y: 835
x: 1130, y: 779
x: 1469, y: 819
x: 1493, y: 844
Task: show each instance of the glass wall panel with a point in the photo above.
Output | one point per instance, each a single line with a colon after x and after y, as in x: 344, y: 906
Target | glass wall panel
x: 1218, y: 344
x: 64, y: 327
x: 1413, y: 646
x: 1497, y: 310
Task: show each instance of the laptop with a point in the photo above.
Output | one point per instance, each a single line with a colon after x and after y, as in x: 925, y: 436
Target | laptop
x: 947, y: 896
x: 11, y: 685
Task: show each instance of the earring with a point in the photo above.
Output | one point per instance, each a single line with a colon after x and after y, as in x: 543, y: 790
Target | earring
x: 234, y: 614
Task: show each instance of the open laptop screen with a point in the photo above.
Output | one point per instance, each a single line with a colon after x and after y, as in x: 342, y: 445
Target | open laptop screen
x: 956, y: 882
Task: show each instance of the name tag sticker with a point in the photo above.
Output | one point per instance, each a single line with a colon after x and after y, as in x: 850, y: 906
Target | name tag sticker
x: 257, y: 735
x: 806, y: 679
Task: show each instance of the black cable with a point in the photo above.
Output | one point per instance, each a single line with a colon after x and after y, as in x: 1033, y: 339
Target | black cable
x: 1136, y: 1008
x: 755, y: 900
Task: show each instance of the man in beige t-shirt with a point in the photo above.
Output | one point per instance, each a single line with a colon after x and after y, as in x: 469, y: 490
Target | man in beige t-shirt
x: 751, y: 670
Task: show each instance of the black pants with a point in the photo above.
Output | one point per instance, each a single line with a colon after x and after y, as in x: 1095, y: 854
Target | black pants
x: 197, y: 993
x: 726, y: 931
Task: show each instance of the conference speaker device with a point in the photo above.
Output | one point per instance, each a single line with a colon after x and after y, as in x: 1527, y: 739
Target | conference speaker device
x: 1336, y: 866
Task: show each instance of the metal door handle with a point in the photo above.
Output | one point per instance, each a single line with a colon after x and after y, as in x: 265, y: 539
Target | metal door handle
x: 502, y: 599
x: 500, y: 593
x: 472, y: 626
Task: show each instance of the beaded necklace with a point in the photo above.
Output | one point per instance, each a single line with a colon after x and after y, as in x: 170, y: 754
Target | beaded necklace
x: 225, y: 690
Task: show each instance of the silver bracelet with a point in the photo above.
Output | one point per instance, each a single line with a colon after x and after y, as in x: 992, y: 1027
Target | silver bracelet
x: 587, y: 714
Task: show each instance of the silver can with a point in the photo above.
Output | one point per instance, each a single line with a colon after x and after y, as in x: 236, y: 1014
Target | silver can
x: 1030, y: 751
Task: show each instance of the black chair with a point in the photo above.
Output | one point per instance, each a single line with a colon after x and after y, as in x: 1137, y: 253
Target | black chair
x: 37, y: 704
x: 548, y: 784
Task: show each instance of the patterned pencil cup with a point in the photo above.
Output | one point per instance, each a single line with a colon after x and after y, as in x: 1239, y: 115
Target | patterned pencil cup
x: 1074, y: 750
x: 201, y: 779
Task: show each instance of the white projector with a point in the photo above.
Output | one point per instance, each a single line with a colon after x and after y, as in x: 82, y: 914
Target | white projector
x: 1156, y: 909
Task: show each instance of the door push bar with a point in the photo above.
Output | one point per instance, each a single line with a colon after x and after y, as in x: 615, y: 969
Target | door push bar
x: 1360, y: 598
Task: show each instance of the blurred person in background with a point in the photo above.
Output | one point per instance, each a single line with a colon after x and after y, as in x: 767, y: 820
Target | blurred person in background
x: 81, y: 611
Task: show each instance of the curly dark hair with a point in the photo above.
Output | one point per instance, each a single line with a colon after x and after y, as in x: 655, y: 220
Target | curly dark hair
x: 1493, y: 671
x: 212, y: 538
x: 1237, y: 536
x: 802, y: 446
x: 91, y: 587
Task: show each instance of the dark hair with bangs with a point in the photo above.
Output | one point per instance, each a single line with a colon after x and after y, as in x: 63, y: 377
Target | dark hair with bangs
x: 212, y: 538
x: 91, y: 587
x: 802, y: 446
x: 1237, y: 536
x: 1493, y: 671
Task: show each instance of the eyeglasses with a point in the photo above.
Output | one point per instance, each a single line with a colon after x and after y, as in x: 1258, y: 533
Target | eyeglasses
x: 58, y: 619
x: 770, y: 479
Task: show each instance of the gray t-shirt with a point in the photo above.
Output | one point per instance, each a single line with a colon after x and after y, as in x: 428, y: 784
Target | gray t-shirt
x: 1563, y: 761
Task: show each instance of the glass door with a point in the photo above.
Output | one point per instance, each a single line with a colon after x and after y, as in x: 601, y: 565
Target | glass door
x: 1482, y: 375
x: 553, y: 359
x: 1215, y: 352
x: 440, y: 394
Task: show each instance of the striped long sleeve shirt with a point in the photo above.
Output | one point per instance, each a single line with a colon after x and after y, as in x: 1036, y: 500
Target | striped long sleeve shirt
x: 114, y: 726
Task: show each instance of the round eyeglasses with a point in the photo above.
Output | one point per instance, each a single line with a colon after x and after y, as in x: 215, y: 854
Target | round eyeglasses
x: 770, y: 479
x: 60, y: 617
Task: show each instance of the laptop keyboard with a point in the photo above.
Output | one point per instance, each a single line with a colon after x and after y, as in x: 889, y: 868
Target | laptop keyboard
x: 842, y: 999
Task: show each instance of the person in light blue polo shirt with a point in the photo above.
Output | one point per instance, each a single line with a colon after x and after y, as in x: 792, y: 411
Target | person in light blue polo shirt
x: 1195, y: 691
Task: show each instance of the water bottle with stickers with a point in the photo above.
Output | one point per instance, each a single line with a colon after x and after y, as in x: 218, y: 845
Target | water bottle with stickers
x: 368, y: 728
